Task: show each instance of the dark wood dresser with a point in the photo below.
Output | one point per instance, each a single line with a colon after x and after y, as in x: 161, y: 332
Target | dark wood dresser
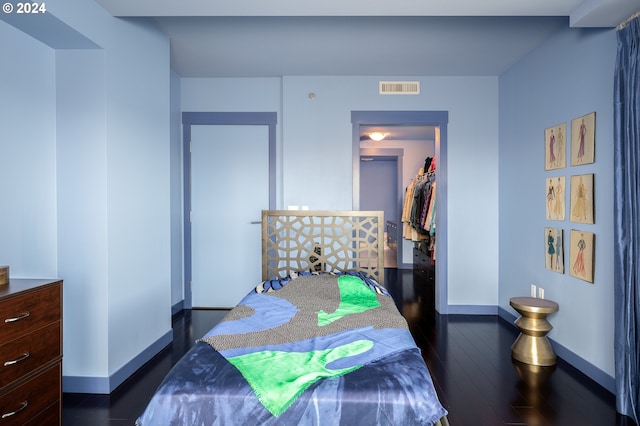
x: 31, y: 352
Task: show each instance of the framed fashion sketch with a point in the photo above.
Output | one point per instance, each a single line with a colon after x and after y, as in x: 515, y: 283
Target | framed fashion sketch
x: 583, y: 138
x: 555, y: 147
x: 555, y: 198
x: 581, y: 255
x: 582, y: 199
x: 554, y: 249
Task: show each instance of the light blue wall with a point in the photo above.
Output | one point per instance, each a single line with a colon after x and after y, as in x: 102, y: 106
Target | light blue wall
x: 81, y: 146
x: 28, y: 234
x: 177, y: 288
x: 567, y: 77
x: 90, y: 184
x: 316, y: 134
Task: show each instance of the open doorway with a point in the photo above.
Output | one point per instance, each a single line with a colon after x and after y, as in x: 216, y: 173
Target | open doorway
x: 380, y: 179
x: 407, y: 148
x: 387, y: 122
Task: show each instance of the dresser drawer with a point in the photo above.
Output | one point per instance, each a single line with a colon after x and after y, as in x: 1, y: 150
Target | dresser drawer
x: 31, y: 398
x: 24, y: 354
x: 29, y: 311
x: 50, y: 417
x: 420, y: 259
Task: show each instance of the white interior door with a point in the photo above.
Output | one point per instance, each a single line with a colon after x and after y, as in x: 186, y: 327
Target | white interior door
x: 229, y: 188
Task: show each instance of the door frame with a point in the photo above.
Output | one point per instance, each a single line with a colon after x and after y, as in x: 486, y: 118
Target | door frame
x: 397, y: 154
x: 189, y: 119
x: 438, y: 119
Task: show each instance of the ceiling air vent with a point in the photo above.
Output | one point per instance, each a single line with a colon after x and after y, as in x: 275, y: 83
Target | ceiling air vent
x: 399, y: 87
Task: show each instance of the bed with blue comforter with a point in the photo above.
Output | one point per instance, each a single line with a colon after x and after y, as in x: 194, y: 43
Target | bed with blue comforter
x: 327, y: 347
x: 313, y: 349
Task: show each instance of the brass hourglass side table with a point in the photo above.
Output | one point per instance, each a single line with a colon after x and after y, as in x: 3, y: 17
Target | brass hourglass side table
x: 532, y: 345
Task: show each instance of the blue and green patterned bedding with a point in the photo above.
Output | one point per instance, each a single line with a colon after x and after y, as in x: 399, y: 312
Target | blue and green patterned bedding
x: 323, y: 349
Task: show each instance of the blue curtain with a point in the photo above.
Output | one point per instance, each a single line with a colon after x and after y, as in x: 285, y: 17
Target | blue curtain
x: 627, y: 219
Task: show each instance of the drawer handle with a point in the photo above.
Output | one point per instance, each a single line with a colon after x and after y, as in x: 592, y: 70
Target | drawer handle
x: 18, y: 318
x: 13, y: 413
x: 17, y: 360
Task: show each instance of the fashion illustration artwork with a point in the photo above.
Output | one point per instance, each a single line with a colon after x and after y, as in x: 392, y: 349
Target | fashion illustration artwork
x: 555, y: 147
x: 583, y: 130
x: 582, y: 200
x: 554, y: 246
x: 581, y: 255
x: 555, y: 198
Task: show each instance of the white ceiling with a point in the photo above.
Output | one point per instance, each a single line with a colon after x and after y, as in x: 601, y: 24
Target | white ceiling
x: 260, y: 38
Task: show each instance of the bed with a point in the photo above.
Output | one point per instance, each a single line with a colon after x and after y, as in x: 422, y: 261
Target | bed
x: 318, y: 342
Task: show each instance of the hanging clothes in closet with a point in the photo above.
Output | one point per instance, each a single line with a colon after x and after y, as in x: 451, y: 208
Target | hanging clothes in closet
x: 419, y: 212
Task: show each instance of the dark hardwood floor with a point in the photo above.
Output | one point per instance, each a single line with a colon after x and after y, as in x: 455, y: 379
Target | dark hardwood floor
x: 469, y: 358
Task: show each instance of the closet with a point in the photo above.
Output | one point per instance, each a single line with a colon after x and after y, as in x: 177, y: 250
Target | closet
x: 419, y: 226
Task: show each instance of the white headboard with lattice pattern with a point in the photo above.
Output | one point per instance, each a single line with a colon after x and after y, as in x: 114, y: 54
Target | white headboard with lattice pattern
x: 319, y: 240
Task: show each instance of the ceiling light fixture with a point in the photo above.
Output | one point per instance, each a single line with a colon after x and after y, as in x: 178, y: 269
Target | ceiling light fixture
x: 377, y: 136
